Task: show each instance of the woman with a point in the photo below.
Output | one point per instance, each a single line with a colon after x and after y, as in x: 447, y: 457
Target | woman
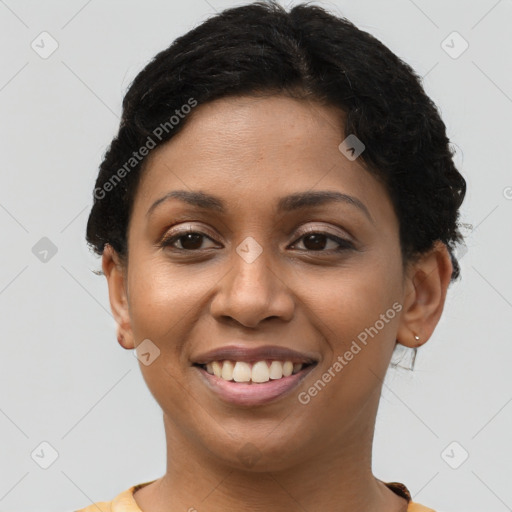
x: 278, y: 210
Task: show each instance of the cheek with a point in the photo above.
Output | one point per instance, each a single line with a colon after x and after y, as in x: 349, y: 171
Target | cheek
x: 356, y: 311
x: 163, y: 306
x: 358, y: 323
x: 165, y: 300
x: 348, y: 300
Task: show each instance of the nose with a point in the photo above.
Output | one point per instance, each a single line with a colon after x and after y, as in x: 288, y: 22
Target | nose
x: 251, y: 293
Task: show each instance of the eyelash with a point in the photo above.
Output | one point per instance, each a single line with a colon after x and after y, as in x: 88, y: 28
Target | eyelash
x: 343, y: 243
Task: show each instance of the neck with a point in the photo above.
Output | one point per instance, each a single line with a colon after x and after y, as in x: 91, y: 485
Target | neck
x: 335, y: 478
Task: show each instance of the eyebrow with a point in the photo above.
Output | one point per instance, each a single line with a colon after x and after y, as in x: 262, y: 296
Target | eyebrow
x: 293, y: 202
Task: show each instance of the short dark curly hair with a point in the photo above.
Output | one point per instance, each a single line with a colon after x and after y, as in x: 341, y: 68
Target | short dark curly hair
x: 305, y: 53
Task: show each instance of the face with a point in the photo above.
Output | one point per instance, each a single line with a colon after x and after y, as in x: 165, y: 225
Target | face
x: 253, y: 238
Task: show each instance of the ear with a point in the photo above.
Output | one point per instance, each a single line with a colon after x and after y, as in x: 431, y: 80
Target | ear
x: 425, y: 288
x: 115, y: 272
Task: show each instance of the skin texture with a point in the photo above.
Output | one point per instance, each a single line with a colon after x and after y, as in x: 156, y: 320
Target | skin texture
x: 250, y: 152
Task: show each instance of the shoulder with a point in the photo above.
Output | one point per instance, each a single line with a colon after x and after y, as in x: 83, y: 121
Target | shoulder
x: 416, y: 507
x: 401, y: 490
x: 100, y: 506
x: 124, y: 502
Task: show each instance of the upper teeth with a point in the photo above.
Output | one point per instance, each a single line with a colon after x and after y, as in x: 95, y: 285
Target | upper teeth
x: 241, y: 371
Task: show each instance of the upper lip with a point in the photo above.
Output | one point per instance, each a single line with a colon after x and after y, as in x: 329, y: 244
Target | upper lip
x: 254, y: 354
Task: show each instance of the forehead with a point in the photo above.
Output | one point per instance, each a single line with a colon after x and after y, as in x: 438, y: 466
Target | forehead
x: 251, y: 151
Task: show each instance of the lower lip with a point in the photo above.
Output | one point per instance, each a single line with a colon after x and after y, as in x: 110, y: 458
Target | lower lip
x: 243, y: 394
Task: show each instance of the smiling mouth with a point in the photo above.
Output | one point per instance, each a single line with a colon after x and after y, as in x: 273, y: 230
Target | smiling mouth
x: 258, y: 372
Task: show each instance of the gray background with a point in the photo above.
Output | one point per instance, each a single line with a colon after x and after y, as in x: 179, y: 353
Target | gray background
x: 64, y: 379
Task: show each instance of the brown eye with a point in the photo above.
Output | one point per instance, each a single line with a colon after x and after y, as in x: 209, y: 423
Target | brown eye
x: 323, y: 242
x: 315, y: 242
x: 191, y: 241
x: 186, y: 241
